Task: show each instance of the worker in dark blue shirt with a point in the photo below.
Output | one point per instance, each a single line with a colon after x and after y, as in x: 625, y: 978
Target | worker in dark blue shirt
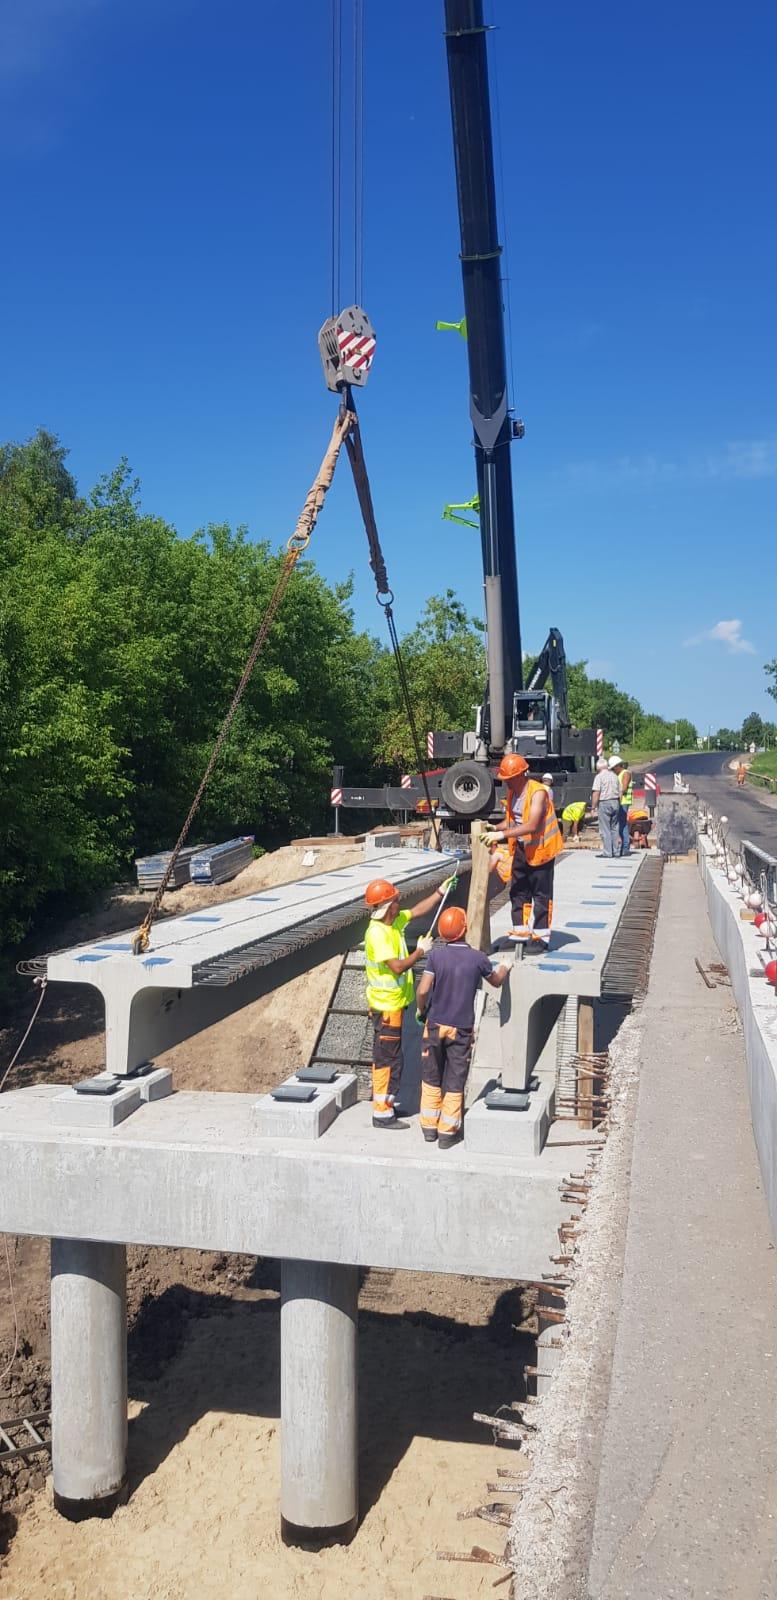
x: 446, y: 998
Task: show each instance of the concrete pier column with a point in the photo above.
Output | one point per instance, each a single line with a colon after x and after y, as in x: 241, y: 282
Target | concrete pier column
x: 319, y: 1403
x: 88, y: 1377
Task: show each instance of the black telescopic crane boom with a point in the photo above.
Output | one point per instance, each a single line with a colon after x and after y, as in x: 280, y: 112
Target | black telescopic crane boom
x: 465, y: 36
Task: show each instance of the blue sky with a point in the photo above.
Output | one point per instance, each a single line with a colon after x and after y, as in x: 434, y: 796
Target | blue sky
x: 166, y: 265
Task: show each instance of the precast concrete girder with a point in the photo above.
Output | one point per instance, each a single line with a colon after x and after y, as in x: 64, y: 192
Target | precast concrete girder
x: 203, y: 966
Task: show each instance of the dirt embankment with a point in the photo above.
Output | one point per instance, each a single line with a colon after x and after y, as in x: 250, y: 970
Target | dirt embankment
x: 203, y: 1362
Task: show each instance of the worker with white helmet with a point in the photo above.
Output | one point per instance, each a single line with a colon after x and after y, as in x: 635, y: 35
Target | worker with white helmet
x: 626, y: 783
x: 606, y: 805
x: 390, y: 987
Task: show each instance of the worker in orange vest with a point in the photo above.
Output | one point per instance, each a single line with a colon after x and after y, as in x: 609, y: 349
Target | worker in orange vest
x: 530, y: 841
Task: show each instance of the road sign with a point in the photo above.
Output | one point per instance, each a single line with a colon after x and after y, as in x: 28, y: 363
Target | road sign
x: 616, y: 749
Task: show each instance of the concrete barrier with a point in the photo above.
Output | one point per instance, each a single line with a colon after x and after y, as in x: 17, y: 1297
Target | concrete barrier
x: 741, y: 949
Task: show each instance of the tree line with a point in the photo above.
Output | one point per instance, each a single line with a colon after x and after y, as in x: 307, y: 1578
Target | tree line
x: 120, y: 647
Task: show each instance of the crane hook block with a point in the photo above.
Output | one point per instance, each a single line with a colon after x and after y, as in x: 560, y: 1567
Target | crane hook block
x: 347, y: 347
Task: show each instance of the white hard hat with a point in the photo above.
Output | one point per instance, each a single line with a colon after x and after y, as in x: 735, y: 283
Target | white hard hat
x: 615, y: 761
x: 547, y: 777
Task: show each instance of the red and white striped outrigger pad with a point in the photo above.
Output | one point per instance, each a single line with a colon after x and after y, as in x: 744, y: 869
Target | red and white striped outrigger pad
x: 347, y: 346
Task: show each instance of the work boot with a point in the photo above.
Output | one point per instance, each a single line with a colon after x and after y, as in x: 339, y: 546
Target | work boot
x: 447, y: 1140
x: 430, y: 1135
x: 391, y: 1124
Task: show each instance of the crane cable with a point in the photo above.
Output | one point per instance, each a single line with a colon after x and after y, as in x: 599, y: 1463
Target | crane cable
x: 336, y: 149
x: 295, y: 547
x: 384, y: 594
x: 347, y: 198
x: 353, y: 444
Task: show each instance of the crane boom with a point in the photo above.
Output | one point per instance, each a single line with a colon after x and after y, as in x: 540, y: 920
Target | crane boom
x: 552, y: 663
x: 465, y: 38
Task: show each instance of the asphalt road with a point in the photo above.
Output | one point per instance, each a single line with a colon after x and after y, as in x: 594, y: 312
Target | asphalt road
x: 752, y: 814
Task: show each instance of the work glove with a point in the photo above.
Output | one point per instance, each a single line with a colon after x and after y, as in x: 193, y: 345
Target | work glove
x: 420, y: 1018
x: 449, y: 884
x: 492, y: 836
x: 424, y: 944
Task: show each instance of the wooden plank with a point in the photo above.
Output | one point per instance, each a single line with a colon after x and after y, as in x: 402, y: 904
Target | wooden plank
x: 478, y: 913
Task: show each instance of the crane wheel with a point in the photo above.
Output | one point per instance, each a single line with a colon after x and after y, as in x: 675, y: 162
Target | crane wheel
x: 467, y: 789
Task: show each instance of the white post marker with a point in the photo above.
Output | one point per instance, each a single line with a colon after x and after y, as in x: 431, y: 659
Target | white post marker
x: 336, y: 799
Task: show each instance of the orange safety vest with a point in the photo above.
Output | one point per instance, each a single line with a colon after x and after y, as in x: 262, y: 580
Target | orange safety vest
x: 539, y: 847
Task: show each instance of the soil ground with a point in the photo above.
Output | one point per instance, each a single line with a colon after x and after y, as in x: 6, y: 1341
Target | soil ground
x: 203, y: 1354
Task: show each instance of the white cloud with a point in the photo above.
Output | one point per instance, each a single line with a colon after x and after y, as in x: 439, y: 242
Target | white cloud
x: 744, y: 458
x: 734, y: 461
x: 728, y: 634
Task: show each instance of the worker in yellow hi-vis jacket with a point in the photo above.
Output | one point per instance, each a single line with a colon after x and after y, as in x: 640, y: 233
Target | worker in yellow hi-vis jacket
x: 390, y: 987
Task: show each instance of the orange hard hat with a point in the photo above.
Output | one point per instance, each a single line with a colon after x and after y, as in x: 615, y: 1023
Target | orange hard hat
x: 452, y: 923
x: 380, y: 892
x: 512, y: 766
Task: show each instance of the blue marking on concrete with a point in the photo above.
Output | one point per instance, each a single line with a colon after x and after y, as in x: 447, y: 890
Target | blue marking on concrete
x: 265, y: 899
x: 552, y: 966
x: 92, y: 956
x: 585, y: 924
x: 158, y: 961
x: 201, y: 919
x: 106, y: 945
x: 598, y: 902
x: 577, y: 955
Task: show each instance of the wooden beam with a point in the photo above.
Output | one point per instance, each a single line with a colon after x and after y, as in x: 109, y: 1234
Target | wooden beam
x: 478, y: 914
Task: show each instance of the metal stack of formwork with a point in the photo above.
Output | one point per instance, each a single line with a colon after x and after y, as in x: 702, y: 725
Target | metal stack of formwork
x: 345, y: 1038
x: 220, y: 862
x: 150, y: 870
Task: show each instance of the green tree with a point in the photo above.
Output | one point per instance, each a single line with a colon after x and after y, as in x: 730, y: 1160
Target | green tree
x: 62, y: 785
x: 771, y: 670
x: 653, y: 732
x: 120, y: 649
x: 445, y: 661
x: 752, y: 730
x: 685, y: 733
